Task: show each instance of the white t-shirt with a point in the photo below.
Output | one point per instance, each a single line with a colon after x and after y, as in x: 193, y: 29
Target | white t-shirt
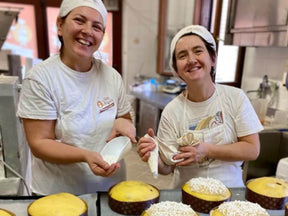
x: 232, y: 116
x: 84, y: 106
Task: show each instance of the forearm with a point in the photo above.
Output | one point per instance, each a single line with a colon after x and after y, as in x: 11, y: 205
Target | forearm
x: 239, y: 151
x: 56, y: 152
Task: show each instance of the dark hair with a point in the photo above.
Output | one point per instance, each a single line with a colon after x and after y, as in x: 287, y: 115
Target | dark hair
x: 60, y: 37
x: 210, y: 49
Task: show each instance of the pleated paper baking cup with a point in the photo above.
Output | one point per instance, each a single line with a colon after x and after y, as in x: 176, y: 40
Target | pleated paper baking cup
x: 127, y: 207
x: 200, y: 205
x: 267, y: 201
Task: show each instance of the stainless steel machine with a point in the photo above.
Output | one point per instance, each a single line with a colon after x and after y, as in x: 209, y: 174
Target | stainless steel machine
x: 14, y: 150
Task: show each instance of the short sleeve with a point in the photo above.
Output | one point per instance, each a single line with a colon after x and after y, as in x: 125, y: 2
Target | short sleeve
x: 36, y: 102
x: 247, y: 121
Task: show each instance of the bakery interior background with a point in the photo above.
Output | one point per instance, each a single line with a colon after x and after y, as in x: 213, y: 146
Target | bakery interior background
x: 136, y: 54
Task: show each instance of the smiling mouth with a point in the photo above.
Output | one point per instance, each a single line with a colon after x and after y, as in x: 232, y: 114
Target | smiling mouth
x: 84, y: 42
x: 193, y: 69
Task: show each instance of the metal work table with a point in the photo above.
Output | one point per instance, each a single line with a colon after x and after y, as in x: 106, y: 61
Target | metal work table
x: 174, y: 195
x: 156, y: 98
x: 98, y: 203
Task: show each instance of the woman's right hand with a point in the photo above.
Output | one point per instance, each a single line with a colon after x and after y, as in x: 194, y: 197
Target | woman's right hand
x: 145, y: 146
x: 100, y: 167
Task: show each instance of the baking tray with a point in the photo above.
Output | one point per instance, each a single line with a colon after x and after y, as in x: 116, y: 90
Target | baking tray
x: 172, y: 195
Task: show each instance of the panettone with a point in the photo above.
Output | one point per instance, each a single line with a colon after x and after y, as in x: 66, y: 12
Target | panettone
x: 269, y: 192
x: 239, y: 208
x: 4, y: 212
x: 64, y: 204
x: 132, y: 197
x: 166, y: 208
x: 203, y: 194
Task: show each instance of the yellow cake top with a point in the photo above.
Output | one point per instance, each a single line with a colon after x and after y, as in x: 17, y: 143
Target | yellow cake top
x: 169, y: 208
x: 133, y: 191
x: 207, y: 189
x: 269, y: 186
x: 239, y: 208
x: 5, y: 213
x: 64, y: 204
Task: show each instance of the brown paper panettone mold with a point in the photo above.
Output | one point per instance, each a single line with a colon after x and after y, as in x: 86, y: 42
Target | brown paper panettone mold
x: 130, y: 208
x: 200, y: 205
x: 266, y: 202
x: 286, y: 209
x: 133, y: 207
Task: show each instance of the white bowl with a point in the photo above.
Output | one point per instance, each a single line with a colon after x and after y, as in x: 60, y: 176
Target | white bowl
x: 116, y: 149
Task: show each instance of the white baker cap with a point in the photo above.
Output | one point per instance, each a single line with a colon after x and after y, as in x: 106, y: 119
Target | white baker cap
x: 196, y: 29
x: 68, y: 5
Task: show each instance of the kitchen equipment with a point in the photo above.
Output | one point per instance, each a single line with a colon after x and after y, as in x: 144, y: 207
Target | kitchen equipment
x: 14, y: 159
x: 7, y: 15
x: 116, y: 149
x: 260, y: 106
x: 257, y: 23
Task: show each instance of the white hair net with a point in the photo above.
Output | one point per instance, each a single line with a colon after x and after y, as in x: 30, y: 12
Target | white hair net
x: 196, y: 29
x: 68, y: 5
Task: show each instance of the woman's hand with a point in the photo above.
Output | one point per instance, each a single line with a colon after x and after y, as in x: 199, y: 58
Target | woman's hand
x: 123, y: 126
x: 145, y: 146
x: 192, y: 154
x: 100, y: 167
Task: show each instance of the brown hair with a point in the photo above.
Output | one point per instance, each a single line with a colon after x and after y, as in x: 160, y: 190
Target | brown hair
x: 210, y: 49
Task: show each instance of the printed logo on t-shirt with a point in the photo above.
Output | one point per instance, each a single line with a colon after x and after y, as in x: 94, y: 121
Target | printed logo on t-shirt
x: 207, y: 122
x: 105, y: 104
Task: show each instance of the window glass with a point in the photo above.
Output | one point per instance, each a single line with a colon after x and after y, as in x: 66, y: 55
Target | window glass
x: 227, y: 55
x: 105, y: 49
x: 21, y: 38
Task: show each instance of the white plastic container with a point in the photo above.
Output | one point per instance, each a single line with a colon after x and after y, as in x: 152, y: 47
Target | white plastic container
x: 116, y: 149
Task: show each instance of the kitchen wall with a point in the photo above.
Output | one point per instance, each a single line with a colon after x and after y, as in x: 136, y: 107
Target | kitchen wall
x: 140, y: 28
x: 269, y: 61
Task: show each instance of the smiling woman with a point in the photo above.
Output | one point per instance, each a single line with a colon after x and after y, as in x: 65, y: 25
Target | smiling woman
x: 62, y: 105
x: 231, y: 124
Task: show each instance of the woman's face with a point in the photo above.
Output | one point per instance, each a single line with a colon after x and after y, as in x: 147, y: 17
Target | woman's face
x: 192, y: 59
x: 82, y: 32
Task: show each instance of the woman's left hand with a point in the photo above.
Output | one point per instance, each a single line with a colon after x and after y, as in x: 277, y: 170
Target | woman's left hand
x: 123, y: 126
x: 191, y: 154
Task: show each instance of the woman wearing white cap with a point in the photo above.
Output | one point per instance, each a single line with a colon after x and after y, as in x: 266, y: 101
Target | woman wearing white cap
x: 209, y: 129
x: 71, y: 104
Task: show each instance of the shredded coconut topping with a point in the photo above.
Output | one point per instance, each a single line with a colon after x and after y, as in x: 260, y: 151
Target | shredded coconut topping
x: 170, y: 208
x: 241, y: 208
x: 207, y: 186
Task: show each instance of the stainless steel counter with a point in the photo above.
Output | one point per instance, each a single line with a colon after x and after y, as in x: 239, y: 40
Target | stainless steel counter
x: 155, y: 98
x: 98, y: 203
x: 175, y: 195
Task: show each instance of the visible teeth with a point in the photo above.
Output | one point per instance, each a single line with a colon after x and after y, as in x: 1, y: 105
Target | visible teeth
x: 193, y: 69
x: 84, y: 42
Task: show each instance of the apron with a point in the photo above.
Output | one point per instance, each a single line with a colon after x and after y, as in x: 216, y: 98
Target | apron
x: 230, y: 173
